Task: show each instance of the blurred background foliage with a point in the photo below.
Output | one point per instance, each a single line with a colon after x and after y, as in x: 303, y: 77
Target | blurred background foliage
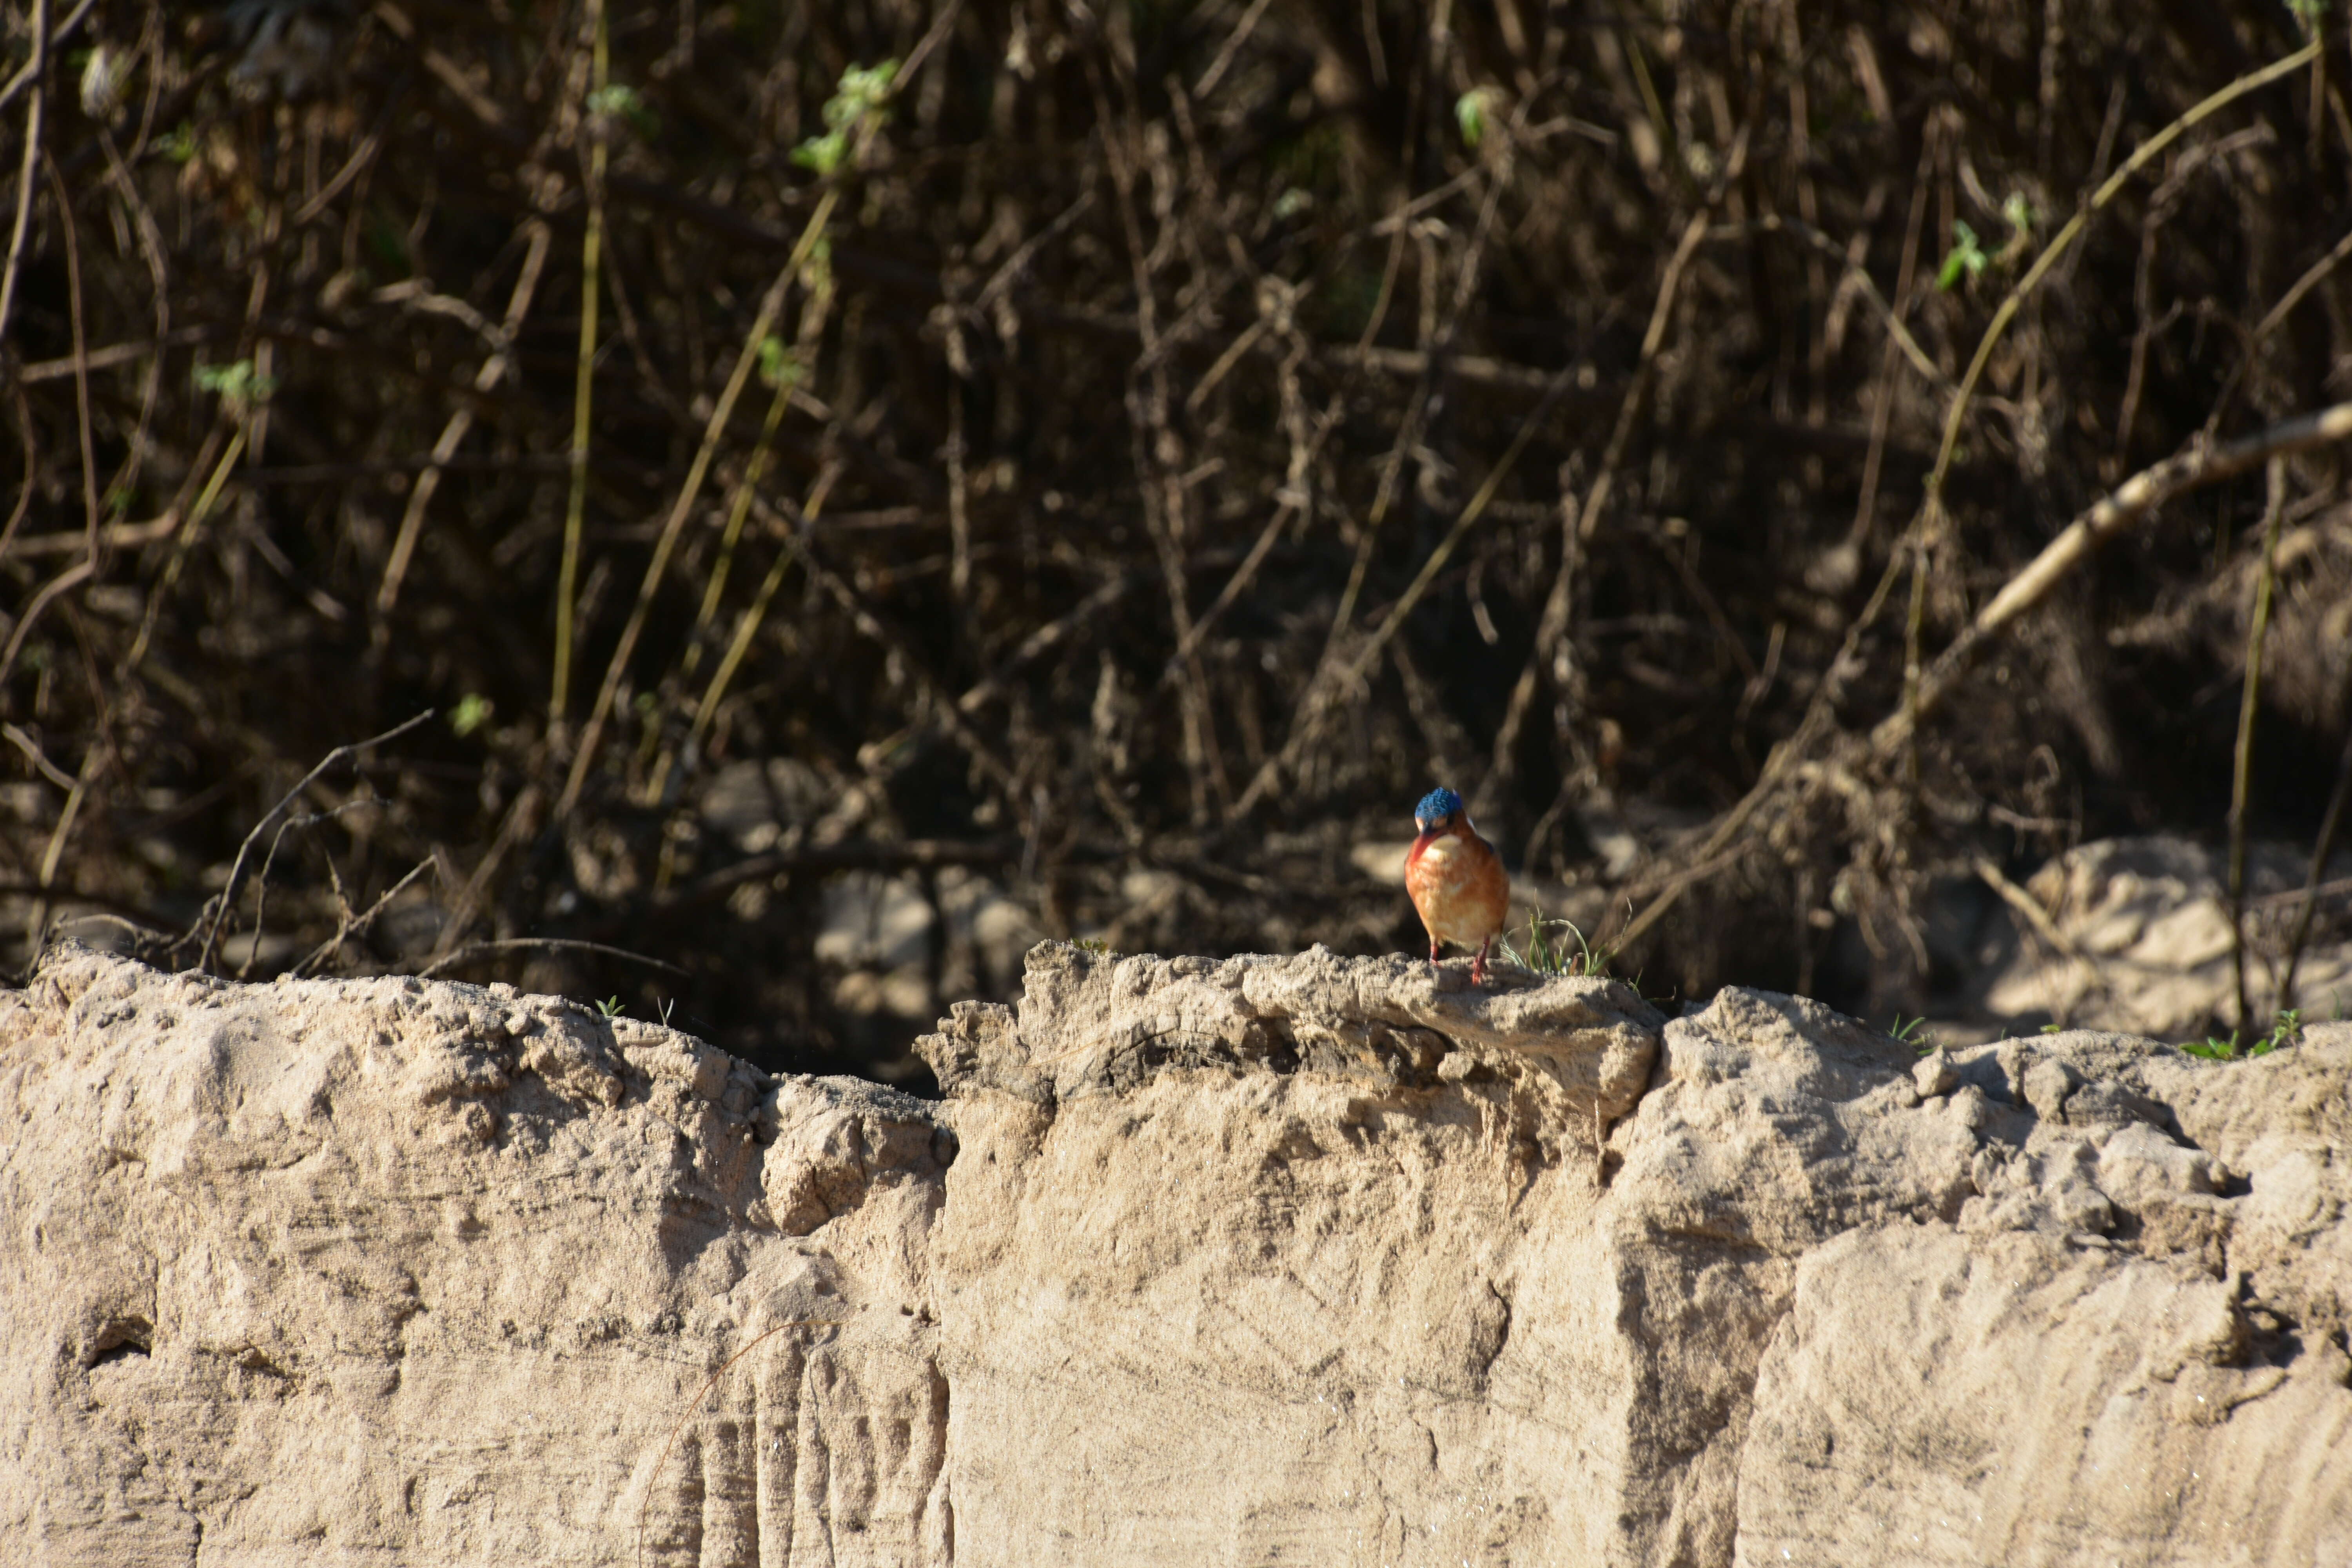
x: 1094, y: 479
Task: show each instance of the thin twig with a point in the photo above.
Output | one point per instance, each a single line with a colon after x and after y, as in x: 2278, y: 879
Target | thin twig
x: 474, y: 949
x: 896, y: 855
x: 34, y: 754
x: 2313, y: 888
x: 69, y: 231
x: 1896, y: 333
x: 2312, y: 278
x: 119, y: 689
x: 111, y: 355
x: 746, y: 360
x: 1779, y: 767
x: 813, y: 312
x: 2298, y: 896
x: 748, y: 625
x: 519, y: 818
x: 592, y: 257
x: 70, y: 895
x: 71, y: 578
x: 1882, y: 394
x: 261, y: 877
x: 59, y: 35
x: 349, y: 926
x: 1290, y: 501
x: 217, y: 909
x: 2038, y: 920
x: 354, y: 167
x: 943, y: 710
x: 1050, y: 636
x: 453, y: 434
x: 2241, y: 773
x: 36, y: 117
x: 1239, y: 36
x: 31, y: 481
x: 152, y: 250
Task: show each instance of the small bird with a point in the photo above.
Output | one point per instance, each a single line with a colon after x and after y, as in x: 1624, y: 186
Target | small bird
x: 1456, y: 880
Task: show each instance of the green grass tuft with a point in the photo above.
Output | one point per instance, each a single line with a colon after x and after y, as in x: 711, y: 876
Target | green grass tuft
x: 1909, y: 1032
x: 1549, y: 950
x: 2287, y: 1030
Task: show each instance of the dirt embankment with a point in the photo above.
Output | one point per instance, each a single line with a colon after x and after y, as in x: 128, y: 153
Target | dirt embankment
x: 1311, y: 1259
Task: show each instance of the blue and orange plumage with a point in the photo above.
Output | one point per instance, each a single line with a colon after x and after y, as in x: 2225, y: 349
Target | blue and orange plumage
x: 1456, y: 880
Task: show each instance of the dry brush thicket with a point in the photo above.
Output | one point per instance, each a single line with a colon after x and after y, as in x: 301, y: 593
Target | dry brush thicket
x: 1197, y: 429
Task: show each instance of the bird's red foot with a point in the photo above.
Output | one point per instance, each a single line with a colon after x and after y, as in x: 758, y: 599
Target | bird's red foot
x: 1478, y: 964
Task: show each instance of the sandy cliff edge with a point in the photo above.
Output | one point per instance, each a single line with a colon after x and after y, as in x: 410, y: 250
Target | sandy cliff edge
x: 1268, y: 1260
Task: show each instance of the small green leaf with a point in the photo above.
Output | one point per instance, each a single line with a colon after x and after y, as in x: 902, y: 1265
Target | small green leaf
x: 180, y: 146
x: 823, y: 153
x: 2019, y: 213
x: 238, y: 385
x: 473, y: 711
x: 1471, y: 112
x: 778, y: 364
x: 2214, y: 1050
x: 1965, y: 257
x: 868, y: 86
x: 861, y: 95
x: 618, y: 101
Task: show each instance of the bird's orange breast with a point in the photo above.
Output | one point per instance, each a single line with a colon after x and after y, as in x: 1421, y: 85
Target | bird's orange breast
x: 1458, y: 885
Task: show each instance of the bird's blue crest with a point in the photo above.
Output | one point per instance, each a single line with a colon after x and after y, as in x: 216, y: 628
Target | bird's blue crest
x: 1437, y: 804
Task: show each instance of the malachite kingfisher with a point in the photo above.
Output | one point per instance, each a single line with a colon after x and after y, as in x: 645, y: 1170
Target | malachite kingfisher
x: 1458, y: 881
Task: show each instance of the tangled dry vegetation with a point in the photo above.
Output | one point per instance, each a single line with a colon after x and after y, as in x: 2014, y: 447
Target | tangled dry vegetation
x: 1095, y: 477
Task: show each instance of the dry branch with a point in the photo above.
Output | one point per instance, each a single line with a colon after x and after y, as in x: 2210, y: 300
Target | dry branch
x: 35, y: 71
x: 217, y: 910
x: 2117, y: 513
x: 453, y: 434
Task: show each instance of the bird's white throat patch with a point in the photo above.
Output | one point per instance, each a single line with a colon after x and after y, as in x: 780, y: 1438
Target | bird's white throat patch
x: 1446, y: 853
